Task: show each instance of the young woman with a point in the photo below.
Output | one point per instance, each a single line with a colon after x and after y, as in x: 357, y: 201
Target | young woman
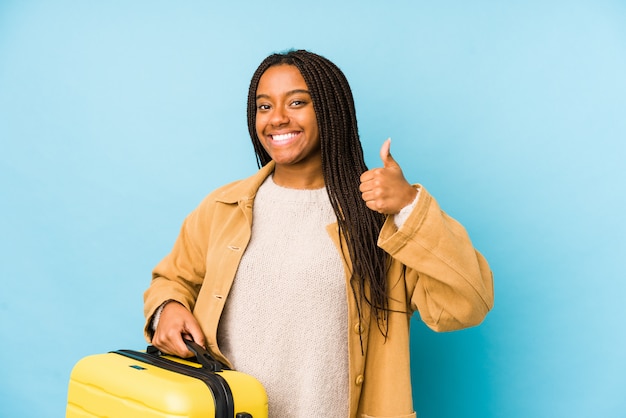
x: 305, y: 275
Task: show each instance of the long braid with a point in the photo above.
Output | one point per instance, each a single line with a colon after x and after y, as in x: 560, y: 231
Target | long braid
x: 342, y: 165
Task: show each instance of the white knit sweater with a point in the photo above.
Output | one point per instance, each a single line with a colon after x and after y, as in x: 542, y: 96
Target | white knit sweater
x: 285, y: 320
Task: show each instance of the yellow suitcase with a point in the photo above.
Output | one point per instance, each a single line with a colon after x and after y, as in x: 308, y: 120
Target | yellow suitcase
x: 146, y: 384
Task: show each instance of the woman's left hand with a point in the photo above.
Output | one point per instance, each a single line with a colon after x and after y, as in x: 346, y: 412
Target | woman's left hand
x: 384, y: 189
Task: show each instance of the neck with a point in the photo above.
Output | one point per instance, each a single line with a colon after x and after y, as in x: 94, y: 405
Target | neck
x: 298, y: 178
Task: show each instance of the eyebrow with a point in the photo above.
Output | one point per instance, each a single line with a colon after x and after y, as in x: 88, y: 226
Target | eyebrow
x: 289, y: 93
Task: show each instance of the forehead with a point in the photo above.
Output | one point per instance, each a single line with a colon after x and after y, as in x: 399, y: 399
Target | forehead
x: 281, y: 78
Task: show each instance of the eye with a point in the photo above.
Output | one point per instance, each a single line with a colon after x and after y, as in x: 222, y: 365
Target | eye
x: 262, y: 107
x: 298, y: 103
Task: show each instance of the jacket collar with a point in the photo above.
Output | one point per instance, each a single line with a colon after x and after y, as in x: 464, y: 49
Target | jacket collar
x: 245, y: 189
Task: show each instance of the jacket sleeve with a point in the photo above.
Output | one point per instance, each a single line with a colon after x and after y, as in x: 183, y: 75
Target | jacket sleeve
x: 448, y: 281
x: 180, y: 274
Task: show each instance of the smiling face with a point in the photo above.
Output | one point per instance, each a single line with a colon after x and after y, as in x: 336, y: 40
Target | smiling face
x: 287, y: 127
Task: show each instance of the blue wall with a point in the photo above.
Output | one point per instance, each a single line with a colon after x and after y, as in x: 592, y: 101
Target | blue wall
x: 116, y: 118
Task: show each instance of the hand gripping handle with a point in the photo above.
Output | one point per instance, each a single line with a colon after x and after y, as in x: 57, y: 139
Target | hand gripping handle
x: 203, y: 356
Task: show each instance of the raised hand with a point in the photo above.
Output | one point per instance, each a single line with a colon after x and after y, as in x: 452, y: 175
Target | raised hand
x: 384, y: 189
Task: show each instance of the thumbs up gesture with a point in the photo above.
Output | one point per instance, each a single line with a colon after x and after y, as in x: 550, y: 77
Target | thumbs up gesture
x: 384, y: 189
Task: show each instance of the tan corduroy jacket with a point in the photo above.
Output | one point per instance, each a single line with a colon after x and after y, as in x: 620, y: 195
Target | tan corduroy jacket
x: 435, y: 271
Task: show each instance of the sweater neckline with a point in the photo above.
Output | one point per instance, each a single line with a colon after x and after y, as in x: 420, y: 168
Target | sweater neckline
x: 270, y: 188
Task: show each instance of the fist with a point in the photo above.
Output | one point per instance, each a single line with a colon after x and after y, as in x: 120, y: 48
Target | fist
x: 384, y: 189
x: 176, y: 323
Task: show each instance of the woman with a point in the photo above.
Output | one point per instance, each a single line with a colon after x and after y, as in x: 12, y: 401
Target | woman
x: 305, y: 275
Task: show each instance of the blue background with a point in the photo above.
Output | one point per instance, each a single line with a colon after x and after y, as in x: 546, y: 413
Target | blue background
x: 117, y: 117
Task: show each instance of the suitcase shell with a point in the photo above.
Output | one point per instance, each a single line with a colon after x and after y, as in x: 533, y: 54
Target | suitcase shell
x: 136, y: 384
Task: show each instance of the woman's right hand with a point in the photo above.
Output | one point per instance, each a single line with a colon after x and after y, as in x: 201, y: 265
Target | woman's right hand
x: 176, y: 323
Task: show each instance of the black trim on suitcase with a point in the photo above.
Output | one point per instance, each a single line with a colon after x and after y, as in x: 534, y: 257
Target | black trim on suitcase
x: 223, y: 396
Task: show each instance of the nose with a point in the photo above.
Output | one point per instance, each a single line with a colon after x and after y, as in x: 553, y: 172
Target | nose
x: 279, y: 116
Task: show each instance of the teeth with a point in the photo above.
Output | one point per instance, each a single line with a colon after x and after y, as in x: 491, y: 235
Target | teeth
x: 283, y: 137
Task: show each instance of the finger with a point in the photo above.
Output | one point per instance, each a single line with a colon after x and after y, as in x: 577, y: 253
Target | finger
x: 367, y: 197
x: 195, y: 333
x: 366, y: 186
x: 375, y: 206
x: 366, y: 176
x: 171, y: 344
x: 385, y: 154
x: 384, y: 150
x: 181, y: 347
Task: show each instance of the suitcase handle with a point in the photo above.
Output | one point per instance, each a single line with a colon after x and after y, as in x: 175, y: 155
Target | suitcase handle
x: 203, y: 356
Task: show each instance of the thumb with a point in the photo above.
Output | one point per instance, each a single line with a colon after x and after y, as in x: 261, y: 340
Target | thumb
x: 385, y: 154
x: 195, y: 332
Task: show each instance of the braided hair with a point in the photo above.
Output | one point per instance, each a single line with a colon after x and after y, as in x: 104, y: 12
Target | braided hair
x: 342, y: 166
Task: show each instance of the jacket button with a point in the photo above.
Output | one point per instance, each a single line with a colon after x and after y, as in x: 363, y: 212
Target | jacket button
x: 358, y: 328
x: 359, y: 380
